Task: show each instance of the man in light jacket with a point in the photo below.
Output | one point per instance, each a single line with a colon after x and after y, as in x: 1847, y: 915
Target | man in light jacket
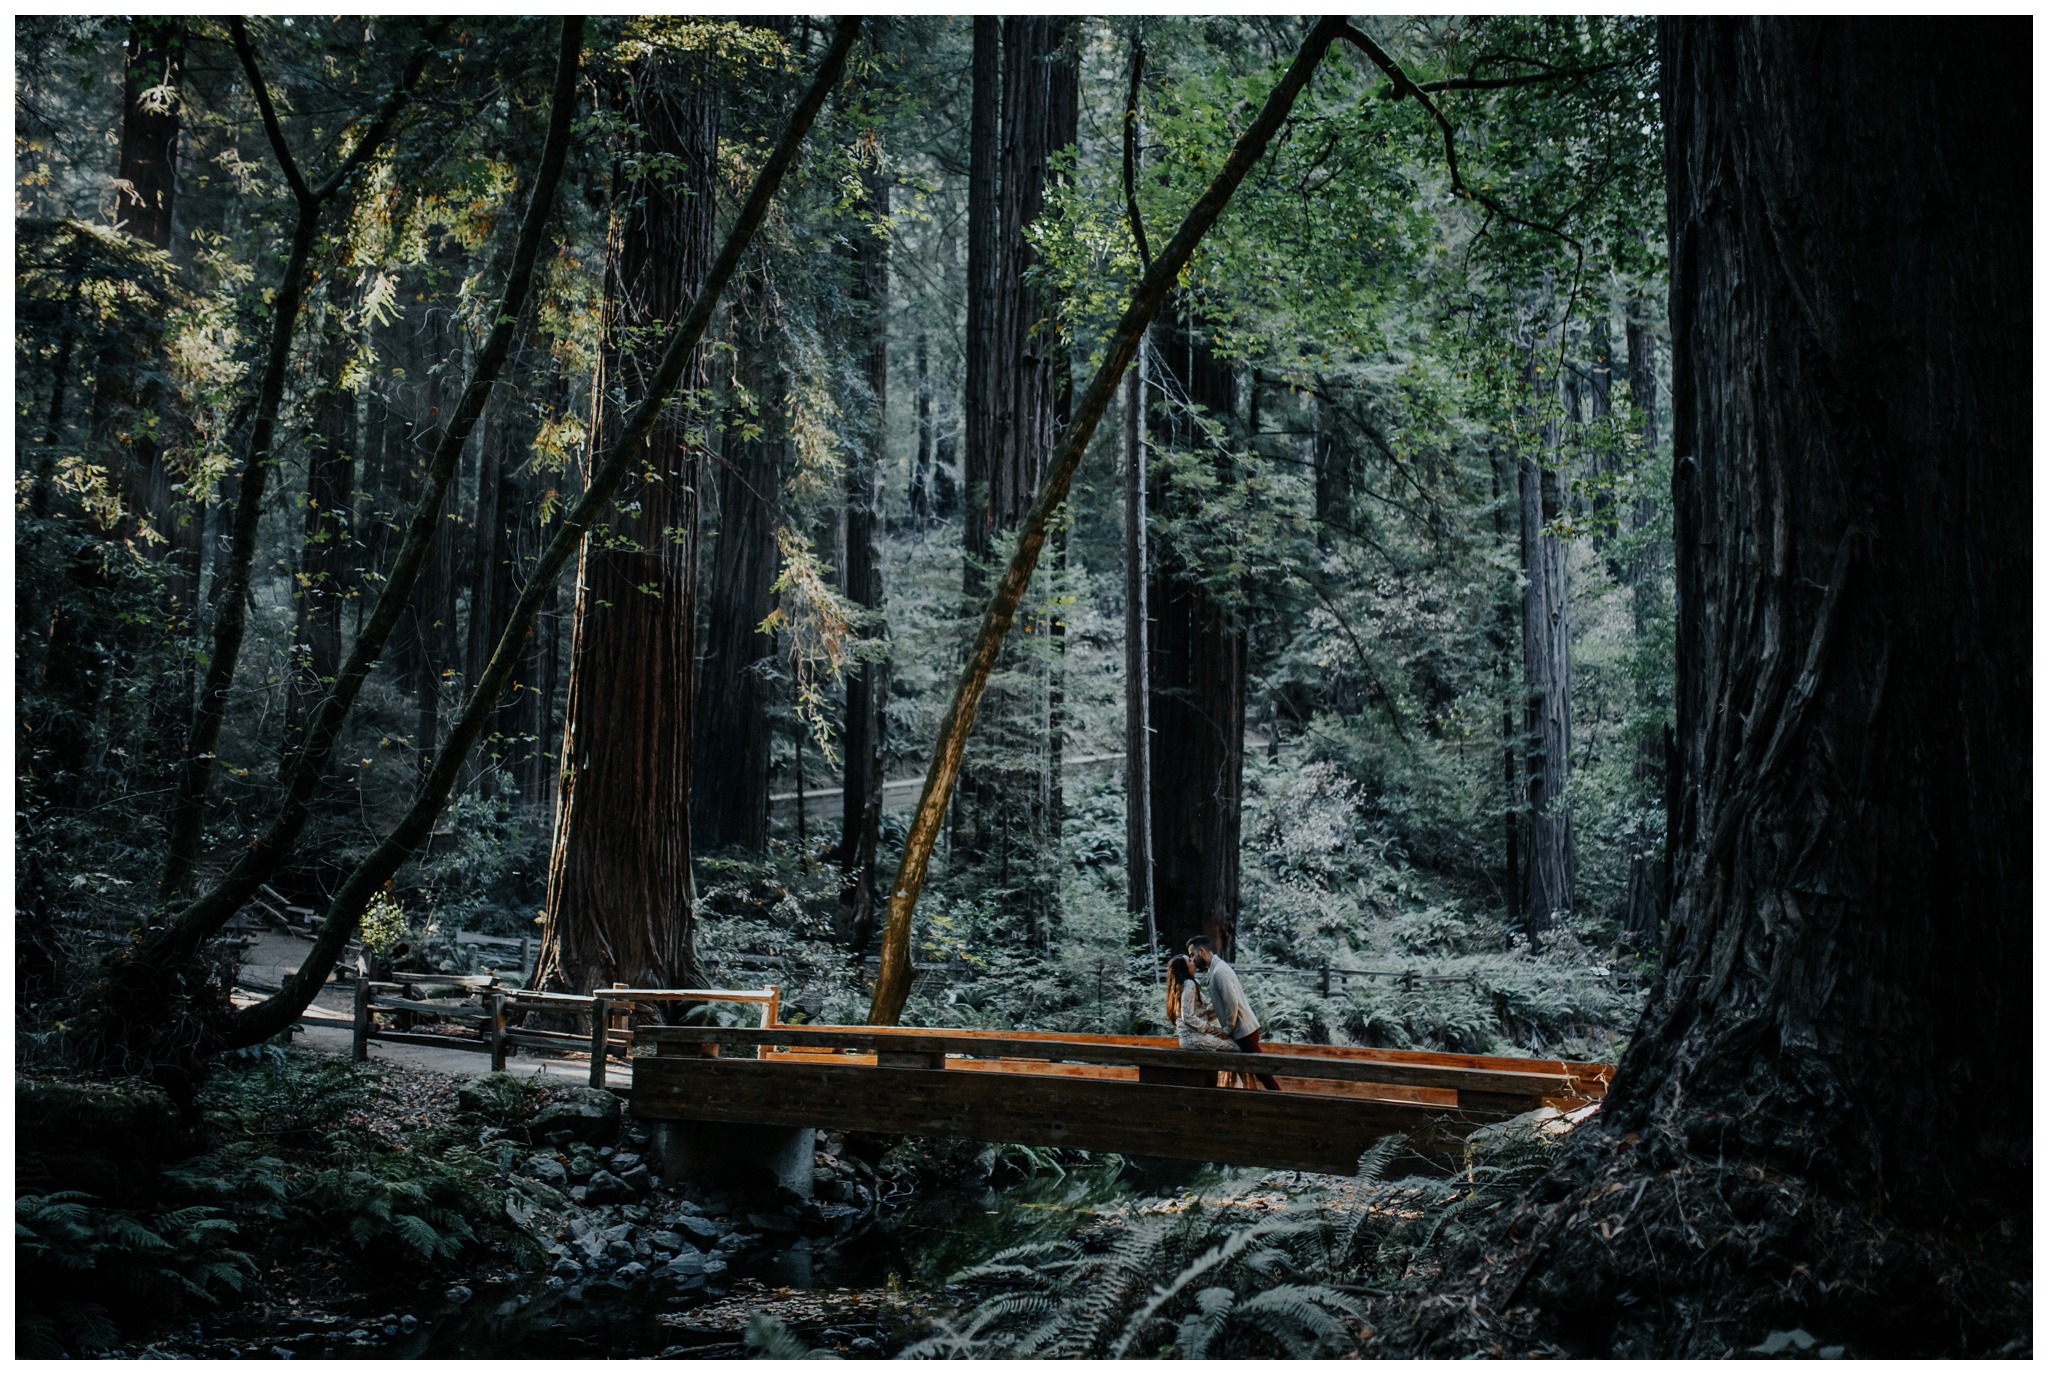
x: 1226, y: 997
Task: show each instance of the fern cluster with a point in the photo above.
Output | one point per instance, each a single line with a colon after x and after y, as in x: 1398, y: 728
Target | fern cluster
x: 1232, y: 1289
x: 78, y: 1263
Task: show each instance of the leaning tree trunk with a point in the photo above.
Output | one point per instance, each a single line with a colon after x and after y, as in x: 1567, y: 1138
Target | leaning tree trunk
x: 1824, y: 1117
x: 619, y: 894
x: 1197, y: 672
x: 628, y: 448
x: 729, y: 802
x: 867, y: 686
x: 892, y: 981
x: 1546, y: 672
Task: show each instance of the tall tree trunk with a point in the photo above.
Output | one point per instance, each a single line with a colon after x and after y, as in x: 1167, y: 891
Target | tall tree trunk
x: 921, y: 477
x: 867, y: 686
x: 1137, y: 669
x: 151, y: 125
x: 1025, y: 367
x: 327, y: 553
x: 620, y: 903
x: 1197, y: 674
x: 1508, y: 678
x: 629, y: 446
x: 434, y: 601
x: 729, y: 792
x: 1546, y: 665
x: 1649, y: 877
x: 1825, y: 1115
x: 979, y: 402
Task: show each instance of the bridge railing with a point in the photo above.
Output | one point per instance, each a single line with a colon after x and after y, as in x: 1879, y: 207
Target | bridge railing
x: 1468, y: 1082
x: 484, y: 1006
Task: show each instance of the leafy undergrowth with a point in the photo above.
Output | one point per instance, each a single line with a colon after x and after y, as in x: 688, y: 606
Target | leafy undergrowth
x: 1321, y: 889
x: 343, y: 1177
x: 1262, y: 1266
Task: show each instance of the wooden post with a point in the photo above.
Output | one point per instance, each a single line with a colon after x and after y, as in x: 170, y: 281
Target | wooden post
x: 495, y: 1001
x: 600, y: 1032
x: 359, y: 1040
x: 1326, y: 976
x: 771, y: 1011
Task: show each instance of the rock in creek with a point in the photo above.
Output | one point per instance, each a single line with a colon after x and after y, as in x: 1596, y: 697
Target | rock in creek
x: 547, y: 1170
x: 606, y: 1187
x: 700, y: 1228
x: 587, y: 1114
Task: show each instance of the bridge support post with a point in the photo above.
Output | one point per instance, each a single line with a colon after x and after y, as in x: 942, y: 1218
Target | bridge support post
x: 736, y: 1154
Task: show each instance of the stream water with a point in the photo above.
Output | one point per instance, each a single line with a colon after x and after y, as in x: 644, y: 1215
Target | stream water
x: 825, y: 1289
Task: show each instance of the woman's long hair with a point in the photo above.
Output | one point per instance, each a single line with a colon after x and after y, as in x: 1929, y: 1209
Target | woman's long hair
x: 1178, y: 972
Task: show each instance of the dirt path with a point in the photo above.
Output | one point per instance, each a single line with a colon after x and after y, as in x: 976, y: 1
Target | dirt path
x: 273, y: 955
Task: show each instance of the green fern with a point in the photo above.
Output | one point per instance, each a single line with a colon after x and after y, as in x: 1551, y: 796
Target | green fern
x: 769, y: 1340
x: 160, y: 1264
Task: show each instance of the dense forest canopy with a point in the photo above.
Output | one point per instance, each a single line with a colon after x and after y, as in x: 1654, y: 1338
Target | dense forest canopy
x: 946, y: 509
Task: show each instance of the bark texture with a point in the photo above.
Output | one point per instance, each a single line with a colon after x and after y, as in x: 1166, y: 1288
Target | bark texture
x: 1649, y: 875
x: 867, y: 686
x: 1824, y: 1116
x: 326, y: 554
x: 979, y: 408
x: 1140, y: 900
x: 619, y: 893
x: 729, y: 807
x: 1197, y: 672
x: 1546, y: 667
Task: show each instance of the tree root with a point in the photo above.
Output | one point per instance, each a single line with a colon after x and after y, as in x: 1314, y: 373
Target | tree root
x: 1636, y: 1247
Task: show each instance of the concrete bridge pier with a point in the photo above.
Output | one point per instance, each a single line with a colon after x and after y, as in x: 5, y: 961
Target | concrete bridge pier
x: 738, y: 1155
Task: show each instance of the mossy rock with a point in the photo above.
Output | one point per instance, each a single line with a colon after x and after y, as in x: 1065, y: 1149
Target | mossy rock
x: 586, y: 1114
x: 499, y: 1098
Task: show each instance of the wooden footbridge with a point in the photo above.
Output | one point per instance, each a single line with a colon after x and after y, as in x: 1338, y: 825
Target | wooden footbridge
x: 1136, y: 1095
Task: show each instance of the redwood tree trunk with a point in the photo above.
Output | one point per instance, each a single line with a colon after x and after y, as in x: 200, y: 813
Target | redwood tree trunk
x: 729, y: 795
x: 1546, y: 678
x: 1197, y: 681
x: 1649, y: 876
x: 867, y: 686
x: 619, y: 894
x: 984, y: 211
x: 1824, y: 1117
x: 327, y: 555
x: 1016, y: 416
x: 1137, y: 669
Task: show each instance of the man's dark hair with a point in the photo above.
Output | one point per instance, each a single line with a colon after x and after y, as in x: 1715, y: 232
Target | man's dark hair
x: 1199, y: 943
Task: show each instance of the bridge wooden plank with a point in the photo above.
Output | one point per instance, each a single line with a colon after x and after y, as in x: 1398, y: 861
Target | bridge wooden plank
x: 1589, y: 1078
x: 1328, y: 1088
x: 1531, y: 1088
x: 1232, y: 1126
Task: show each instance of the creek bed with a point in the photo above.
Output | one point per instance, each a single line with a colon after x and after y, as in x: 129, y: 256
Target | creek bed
x: 865, y: 1292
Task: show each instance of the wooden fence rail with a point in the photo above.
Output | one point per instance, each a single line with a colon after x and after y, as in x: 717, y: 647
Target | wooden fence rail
x: 481, y: 1002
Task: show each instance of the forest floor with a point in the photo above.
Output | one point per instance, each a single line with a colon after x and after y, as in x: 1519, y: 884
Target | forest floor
x: 655, y: 1270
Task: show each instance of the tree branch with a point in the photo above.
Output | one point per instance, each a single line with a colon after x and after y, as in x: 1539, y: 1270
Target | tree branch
x: 892, y: 981
x: 257, y: 863
x: 1495, y: 83
x: 386, y: 116
x: 258, y: 1023
x: 1131, y: 144
x: 275, y: 132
